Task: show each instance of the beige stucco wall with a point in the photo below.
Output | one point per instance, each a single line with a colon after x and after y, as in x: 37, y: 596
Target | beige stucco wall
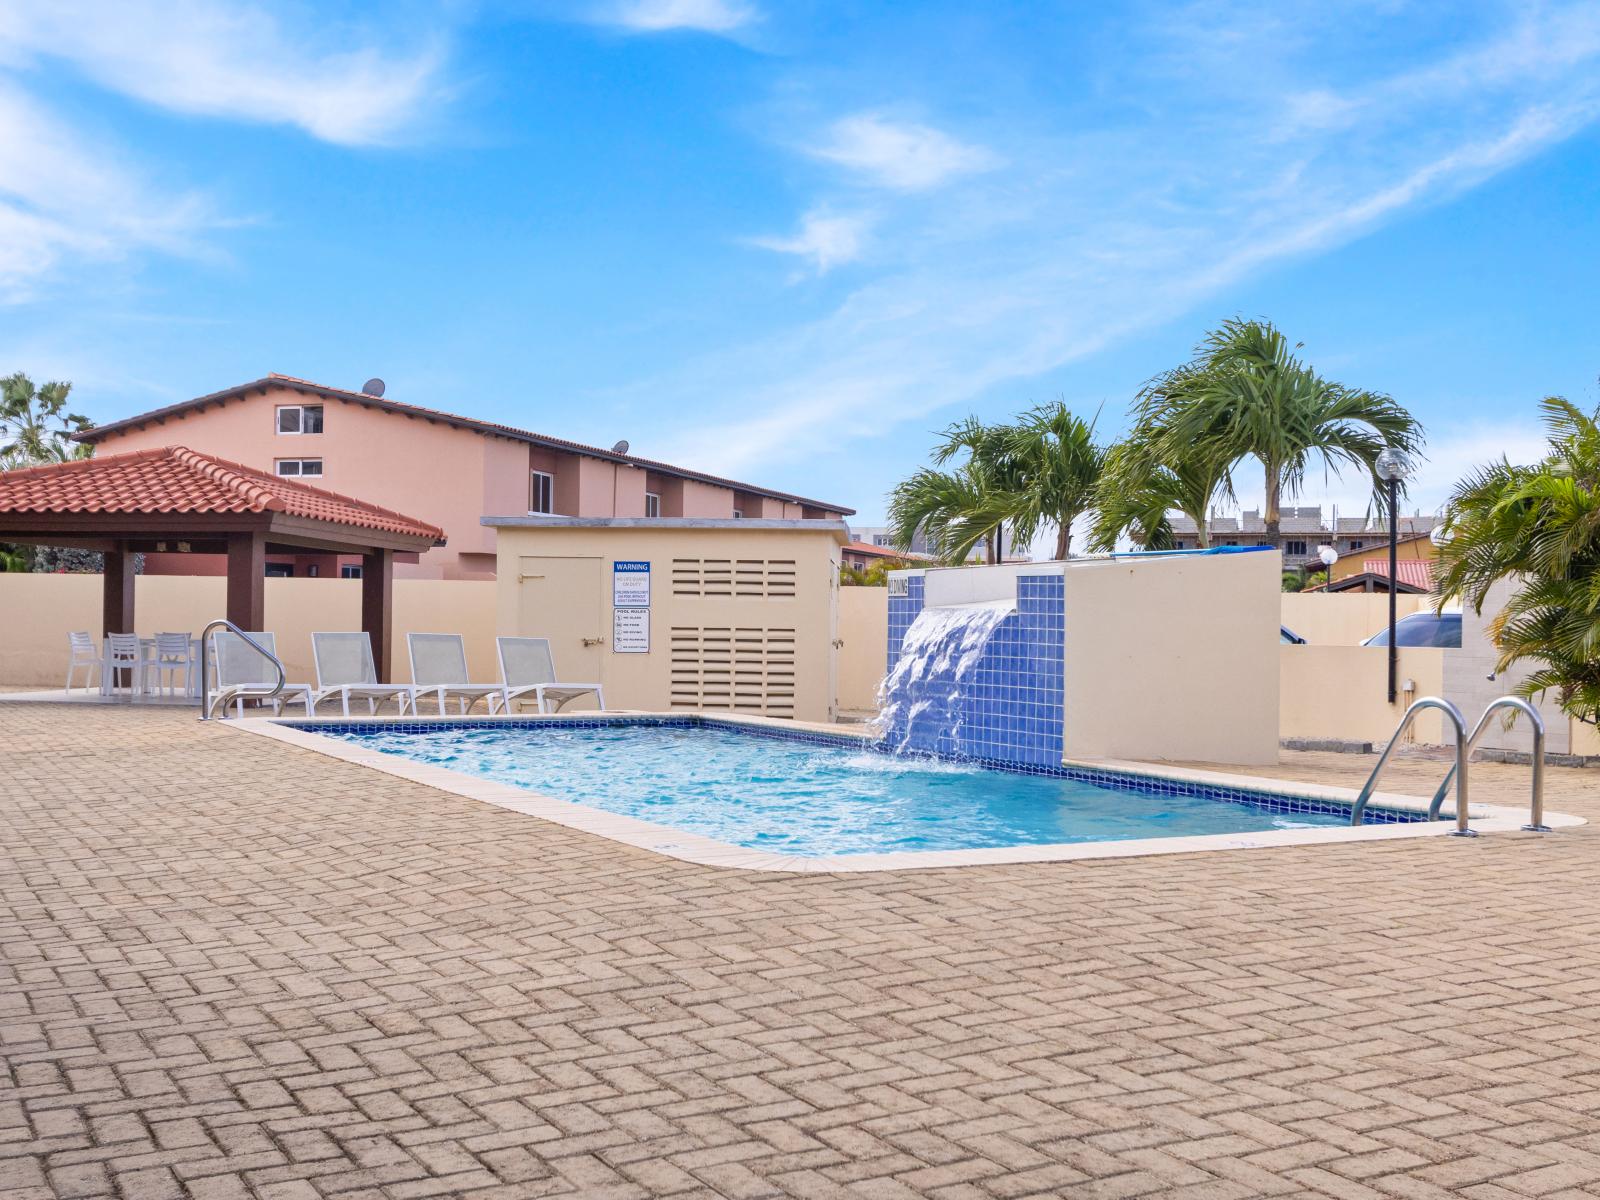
x: 38, y: 611
x: 1342, y: 692
x: 1173, y: 658
x: 863, y: 648
x: 547, y: 555
x: 1344, y: 618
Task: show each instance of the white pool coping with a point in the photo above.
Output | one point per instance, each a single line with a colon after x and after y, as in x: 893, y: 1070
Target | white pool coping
x: 704, y: 851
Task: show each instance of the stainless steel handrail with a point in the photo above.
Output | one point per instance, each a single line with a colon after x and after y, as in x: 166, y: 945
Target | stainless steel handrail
x: 1536, y: 806
x: 1459, y: 772
x: 205, y: 667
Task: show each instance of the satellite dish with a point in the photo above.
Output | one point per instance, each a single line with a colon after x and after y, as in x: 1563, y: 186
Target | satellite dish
x: 621, y: 447
x: 372, y: 387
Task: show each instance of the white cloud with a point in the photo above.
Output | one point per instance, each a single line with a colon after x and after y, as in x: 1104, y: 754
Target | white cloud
x: 1098, y: 235
x: 210, y: 58
x: 900, y: 155
x: 707, y: 16
x: 62, y: 197
x: 827, y: 240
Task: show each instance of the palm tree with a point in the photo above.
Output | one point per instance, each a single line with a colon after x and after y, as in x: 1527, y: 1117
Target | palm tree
x: 1246, y: 395
x: 1139, y: 491
x: 956, y: 511
x: 1054, y: 468
x: 1538, y: 526
x: 1039, y: 472
x: 34, y: 424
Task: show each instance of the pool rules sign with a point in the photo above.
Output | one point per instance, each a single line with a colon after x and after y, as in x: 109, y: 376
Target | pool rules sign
x: 630, y: 607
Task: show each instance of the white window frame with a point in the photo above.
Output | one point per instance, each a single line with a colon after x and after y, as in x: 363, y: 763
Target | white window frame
x: 300, y: 471
x: 1289, y: 545
x: 350, y: 571
x: 738, y: 514
x: 300, y: 419
x: 652, y: 504
x: 541, y: 485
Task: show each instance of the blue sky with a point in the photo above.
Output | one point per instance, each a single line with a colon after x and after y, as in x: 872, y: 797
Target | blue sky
x: 788, y: 242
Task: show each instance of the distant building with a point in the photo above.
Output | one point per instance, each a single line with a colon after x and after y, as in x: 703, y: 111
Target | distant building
x: 878, y: 535
x: 860, y: 555
x: 1301, y: 532
x: 450, y: 469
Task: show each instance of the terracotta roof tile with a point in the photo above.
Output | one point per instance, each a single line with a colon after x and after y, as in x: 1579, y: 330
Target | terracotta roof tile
x: 1417, y: 572
x: 174, y: 479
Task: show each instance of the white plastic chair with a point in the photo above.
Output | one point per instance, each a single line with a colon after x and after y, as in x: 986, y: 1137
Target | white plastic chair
x: 174, y: 652
x: 124, y: 652
x: 85, y: 653
x: 439, y: 668
x: 345, y: 669
x: 528, y: 668
x: 239, y: 673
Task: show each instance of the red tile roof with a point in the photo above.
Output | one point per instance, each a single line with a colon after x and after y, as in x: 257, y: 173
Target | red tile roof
x: 867, y: 550
x: 307, y: 387
x: 1414, y: 571
x: 175, y: 479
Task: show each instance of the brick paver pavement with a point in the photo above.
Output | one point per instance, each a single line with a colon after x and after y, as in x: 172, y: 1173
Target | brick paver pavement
x: 232, y: 968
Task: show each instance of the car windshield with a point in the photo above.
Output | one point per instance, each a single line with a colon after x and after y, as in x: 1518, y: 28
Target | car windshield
x: 1423, y: 629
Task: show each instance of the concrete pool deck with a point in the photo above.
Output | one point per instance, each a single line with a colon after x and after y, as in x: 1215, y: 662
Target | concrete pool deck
x: 230, y: 967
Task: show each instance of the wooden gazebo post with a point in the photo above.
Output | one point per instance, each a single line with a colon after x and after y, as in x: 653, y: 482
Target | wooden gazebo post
x: 247, y: 581
x: 116, y: 609
x: 377, y: 606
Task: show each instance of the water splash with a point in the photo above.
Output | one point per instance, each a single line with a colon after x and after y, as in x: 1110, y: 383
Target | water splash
x: 923, y: 700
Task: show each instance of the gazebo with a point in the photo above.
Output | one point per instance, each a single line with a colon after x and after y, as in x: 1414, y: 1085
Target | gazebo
x: 174, y: 499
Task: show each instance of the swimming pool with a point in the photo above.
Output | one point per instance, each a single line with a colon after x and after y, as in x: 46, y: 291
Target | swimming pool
x: 823, y: 796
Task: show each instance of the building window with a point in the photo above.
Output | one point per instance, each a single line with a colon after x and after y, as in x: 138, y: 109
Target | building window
x: 1180, y: 544
x: 541, y: 492
x: 1294, y: 547
x: 280, y: 570
x: 738, y: 514
x: 350, y: 571
x: 300, y: 418
x: 880, y: 539
x: 293, y: 467
x: 1357, y: 544
x: 652, y: 504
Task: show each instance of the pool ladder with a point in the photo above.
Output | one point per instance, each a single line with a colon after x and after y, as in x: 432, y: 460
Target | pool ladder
x: 1465, y: 744
x: 262, y: 693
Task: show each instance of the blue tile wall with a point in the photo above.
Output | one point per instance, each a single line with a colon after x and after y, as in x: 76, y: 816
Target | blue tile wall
x: 1009, y: 707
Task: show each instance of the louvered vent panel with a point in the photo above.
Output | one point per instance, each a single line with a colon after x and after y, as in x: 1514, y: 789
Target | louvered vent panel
x: 738, y: 669
x: 746, y: 578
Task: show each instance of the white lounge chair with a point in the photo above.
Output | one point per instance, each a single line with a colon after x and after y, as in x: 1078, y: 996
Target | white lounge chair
x: 239, y: 673
x: 528, y: 669
x: 439, y: 668
x: 85, y: 654
x: 344, y: 669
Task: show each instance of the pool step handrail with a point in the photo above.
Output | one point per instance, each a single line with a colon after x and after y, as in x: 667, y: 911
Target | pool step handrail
x: 1458, y: 724
x: 206, y: 703
x: 1536, y: 805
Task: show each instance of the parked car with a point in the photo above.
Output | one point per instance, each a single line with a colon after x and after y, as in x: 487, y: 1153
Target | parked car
x: 1289, y: 637
x: 1422, y: 629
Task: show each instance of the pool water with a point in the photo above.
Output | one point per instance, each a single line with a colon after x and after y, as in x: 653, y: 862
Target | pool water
x: 804, y: 798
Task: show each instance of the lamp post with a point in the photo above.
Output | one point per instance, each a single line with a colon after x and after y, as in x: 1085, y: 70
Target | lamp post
x: 1391, y: 469
x: 1329, y: 556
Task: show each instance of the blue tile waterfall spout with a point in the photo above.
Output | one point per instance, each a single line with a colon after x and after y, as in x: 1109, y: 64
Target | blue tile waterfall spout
x: 981, y: 681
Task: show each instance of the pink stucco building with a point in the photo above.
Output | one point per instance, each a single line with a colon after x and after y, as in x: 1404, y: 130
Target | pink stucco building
x: 446, y: 469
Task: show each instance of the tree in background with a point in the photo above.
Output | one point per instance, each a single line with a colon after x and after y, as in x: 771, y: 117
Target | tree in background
x: 1245, y: 394
x: 1038, y: 472
x: 1539, y: 527
x: 1146, y: 478
x: 35, y: 429
x: 35, y: 426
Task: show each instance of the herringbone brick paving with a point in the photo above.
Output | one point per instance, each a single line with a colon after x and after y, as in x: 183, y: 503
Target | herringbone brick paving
x: 231, y: 968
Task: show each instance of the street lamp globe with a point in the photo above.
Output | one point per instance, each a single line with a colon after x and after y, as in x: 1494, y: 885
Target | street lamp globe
x: 1391, y: 466
x: 1328, y: 555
